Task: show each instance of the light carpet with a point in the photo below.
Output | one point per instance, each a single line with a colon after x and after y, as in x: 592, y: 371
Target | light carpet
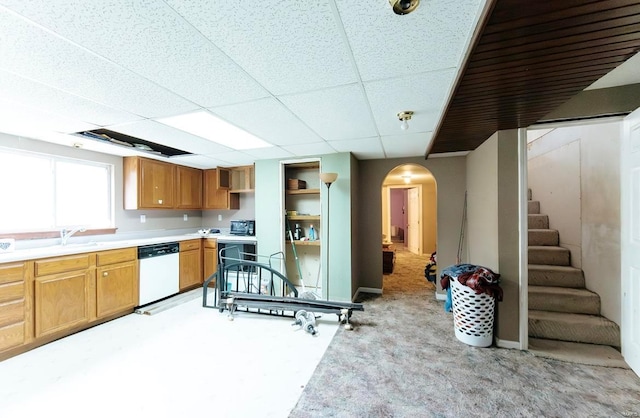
x: 403, y: 360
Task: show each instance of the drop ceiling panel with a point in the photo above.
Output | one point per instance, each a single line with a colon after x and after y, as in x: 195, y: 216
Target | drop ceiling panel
x: 234, y: 158
x: 268, y: 119
x: 287, y: 47
x: 151, y: 39
x: 336, y: 113
x: 37, y: 54
x: 425, y: 94
x: 362, y: 149
x: 21, y: 118
x: 302, y: 150
x: 406, y: 145
x: 39, y: 96
x: 268, y: 153
x: 386, y: 45
x: 198, y: 161
x: 157, y: 132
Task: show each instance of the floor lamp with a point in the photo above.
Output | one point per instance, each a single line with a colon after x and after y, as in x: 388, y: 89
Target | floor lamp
x: 328, y: 179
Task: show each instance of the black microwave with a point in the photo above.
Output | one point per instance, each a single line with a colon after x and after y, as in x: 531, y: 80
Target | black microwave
x: 243, y: 227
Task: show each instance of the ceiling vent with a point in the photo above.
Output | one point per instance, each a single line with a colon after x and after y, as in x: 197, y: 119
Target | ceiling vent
x: 138, y: 144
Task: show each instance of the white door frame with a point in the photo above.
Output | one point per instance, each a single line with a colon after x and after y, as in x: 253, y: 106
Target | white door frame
x: 523, y: 214
x: 387, y: 221
x: 630, y: 240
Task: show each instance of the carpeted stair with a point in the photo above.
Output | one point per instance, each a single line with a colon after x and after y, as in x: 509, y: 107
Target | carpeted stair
x: 560, y: 307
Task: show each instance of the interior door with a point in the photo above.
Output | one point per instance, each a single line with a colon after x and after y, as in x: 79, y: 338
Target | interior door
x: 630, y: 240
x: 413, y: 227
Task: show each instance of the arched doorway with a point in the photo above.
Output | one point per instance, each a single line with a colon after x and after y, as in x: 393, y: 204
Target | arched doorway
x: 409, y: 209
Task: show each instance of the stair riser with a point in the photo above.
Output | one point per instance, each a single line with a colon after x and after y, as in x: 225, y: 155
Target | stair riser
x: 574, y: 279
x: 589, y: 305
x: 543, y: 237
x: 550, y: 257
x: 533, y: 207
x: 606, y: 334
x: 538, y: 221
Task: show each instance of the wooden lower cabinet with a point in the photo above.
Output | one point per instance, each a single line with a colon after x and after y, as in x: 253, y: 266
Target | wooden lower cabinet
x: 116, y: 288
x: 190, y: 264
x: 13, y: 306
x: 61, y: 301
x: 210, y: 258
x: 117, y: 284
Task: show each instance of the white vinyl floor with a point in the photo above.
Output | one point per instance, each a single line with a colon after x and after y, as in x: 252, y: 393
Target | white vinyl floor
x: 187, y: 361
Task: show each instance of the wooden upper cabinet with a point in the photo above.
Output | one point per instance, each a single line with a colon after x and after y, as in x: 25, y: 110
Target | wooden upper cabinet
x: 223, y: 181
x: 243, y: 179
x: 189, y: 185
x: 148, y: 184
x: 215, y: 197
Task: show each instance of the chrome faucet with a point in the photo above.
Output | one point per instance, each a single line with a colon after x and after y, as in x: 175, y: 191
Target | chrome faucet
x: 66, y: 234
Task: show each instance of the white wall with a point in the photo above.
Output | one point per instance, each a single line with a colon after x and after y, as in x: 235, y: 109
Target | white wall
x: 554, y: 180
x: 590, y: 154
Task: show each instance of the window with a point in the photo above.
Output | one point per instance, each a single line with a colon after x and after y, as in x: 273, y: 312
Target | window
x: 43, y: 192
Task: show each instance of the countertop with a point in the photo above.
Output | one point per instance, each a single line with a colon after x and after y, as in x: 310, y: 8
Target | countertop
x: 98, y: 245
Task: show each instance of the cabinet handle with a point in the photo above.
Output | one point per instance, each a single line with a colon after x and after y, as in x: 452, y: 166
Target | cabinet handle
x: 105, y: 273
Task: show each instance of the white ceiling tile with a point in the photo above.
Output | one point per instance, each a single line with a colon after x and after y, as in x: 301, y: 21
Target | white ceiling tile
x: 39, y: 55
x: 268, y: 153
x: 268, y: 119
x: 433, y: 37
x: 409, y: 145
x: 198, y: 161
x: 36, y: 95
x: 362, y: 149
x: 425, y: 94
x: 234, y: 158
x: 17, y: 117
x: 335, y: 113
x: 151, y: 39
x: 286, y: 46
x: 157, y: 132
x: 318, y: 148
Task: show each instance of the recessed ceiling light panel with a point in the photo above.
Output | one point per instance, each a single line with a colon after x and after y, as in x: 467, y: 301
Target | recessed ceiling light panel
x: 208, y: 126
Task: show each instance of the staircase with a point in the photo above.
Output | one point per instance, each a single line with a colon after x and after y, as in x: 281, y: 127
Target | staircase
x: 560, y: 307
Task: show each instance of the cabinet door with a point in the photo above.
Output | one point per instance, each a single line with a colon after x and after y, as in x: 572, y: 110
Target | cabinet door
x: 210, y: 262
x: 61, y: 301
x: 157, y: 182
x: 190, y: 268
x: 215, y: 198
x: 189, y: 187
x: 116, y: 288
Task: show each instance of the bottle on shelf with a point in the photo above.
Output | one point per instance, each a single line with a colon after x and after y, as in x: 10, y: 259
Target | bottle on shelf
x: 312, y: 233
x: 298, y: 233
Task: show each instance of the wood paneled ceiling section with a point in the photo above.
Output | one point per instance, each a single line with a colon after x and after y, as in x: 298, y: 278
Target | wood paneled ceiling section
x: 530, y: 58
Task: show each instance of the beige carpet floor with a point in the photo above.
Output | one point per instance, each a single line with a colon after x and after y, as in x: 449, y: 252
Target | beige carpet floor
x: 403, y: 360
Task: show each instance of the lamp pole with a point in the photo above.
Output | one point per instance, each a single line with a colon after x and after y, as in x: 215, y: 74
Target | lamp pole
x: 328, y: 179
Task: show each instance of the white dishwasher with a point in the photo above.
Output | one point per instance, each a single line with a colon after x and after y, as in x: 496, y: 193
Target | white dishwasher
x: 159, y: 271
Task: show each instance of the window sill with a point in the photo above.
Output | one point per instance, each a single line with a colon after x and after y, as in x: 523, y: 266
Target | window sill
x: 56, y: 234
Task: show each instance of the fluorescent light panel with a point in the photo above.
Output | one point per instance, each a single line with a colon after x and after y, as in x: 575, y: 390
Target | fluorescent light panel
x: 208, y: 126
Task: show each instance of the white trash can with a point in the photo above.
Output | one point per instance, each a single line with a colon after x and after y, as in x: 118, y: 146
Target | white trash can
x: 473, y: 315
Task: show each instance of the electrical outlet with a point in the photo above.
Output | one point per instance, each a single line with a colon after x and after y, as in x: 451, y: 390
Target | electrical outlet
x: 143, y: 219
x: 219, y: 217
x: 185, y: 217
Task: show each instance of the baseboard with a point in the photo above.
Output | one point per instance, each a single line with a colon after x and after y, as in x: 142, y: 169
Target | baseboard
x: 441, y: 296
x: 507, y: 344
x: 366, y: 290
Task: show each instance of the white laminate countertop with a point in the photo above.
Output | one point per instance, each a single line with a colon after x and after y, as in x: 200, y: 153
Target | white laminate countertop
x: 93, y: 246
